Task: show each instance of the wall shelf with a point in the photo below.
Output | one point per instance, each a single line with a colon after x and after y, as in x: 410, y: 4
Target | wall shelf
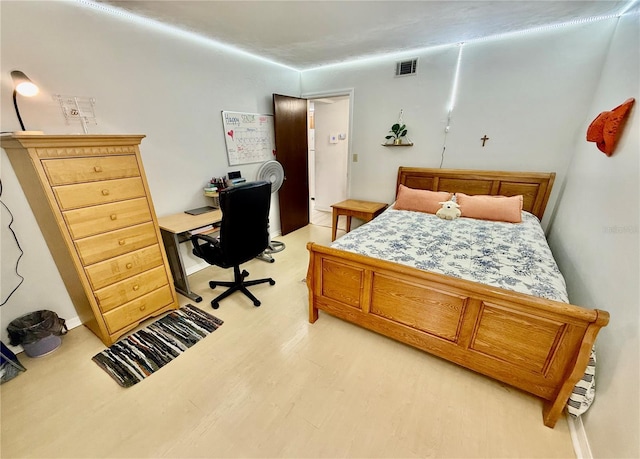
x: 394, y: 145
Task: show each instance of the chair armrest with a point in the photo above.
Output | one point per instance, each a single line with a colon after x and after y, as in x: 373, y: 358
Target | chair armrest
x: 205, y: 237
x: 209, y: 240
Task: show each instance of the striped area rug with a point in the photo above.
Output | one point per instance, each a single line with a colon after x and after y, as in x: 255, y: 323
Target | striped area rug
x: 144, y: 352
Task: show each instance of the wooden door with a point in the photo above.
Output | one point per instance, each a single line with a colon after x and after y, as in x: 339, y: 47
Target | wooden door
x: 290, y: 126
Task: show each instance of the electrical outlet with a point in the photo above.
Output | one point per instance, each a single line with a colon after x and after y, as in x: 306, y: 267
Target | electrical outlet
x: 355, y: 157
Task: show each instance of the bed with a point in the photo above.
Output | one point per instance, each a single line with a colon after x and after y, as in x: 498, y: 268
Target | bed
x: 539, y: 345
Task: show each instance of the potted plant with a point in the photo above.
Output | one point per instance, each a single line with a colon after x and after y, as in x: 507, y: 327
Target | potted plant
x: 398, y: 131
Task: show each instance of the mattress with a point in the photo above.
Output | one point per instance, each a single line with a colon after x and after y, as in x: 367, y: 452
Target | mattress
x: 513, y: 256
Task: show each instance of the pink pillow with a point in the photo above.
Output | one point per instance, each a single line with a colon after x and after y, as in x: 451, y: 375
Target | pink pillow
x: 420, y: 200
x: 496, y: 208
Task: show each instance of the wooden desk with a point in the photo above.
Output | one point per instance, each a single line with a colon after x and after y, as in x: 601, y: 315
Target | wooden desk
x: 364, y: 210
x: 176, y: 229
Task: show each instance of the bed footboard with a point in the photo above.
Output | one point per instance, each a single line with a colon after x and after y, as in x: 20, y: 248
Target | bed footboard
x: 537, y: 345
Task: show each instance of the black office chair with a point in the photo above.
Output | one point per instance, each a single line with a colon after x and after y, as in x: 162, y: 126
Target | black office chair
x: 243, y: 236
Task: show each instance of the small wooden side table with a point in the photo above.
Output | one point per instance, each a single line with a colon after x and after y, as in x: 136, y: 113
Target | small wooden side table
x: 364, y: 210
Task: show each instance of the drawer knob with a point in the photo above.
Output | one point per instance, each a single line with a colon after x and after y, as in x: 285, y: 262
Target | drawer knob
x: 97, y: 168
x: 136, y: 288
x: 143, y: 307
x: 113, y: 216
x: 129, y: 265
x: 105, y: 192
x: 121, y: 242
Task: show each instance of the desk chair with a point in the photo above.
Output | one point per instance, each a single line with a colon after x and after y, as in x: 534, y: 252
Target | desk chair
x: 243, y: 236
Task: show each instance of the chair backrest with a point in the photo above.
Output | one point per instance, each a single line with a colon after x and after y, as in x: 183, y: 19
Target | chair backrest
x: 244, y: 230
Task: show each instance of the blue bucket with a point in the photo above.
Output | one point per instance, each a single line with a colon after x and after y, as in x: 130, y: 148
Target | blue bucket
x: 43, y: 346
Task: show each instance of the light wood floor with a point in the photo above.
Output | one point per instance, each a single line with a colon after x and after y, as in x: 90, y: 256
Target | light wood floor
x: 269, y: 384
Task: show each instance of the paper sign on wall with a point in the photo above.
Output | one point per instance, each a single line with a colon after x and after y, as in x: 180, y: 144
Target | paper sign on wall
x: 249, y: 137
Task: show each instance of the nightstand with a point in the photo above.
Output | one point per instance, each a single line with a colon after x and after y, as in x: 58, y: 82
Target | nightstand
x: 364, y: 210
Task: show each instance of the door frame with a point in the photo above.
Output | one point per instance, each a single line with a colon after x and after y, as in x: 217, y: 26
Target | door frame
x: 337, y: 93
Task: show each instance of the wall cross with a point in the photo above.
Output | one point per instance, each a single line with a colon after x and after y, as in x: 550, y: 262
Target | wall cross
x: 484, y: 139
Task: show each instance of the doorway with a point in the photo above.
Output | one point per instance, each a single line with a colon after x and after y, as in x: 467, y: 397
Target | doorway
x: 329, y: 146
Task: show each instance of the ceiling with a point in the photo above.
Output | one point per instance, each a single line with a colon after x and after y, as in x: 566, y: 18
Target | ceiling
x: 308, y: 34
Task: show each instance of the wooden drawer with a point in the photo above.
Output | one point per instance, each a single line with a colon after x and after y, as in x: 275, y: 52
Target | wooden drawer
x: 131, y: 288
x: 106, y: 217
x: 138, y: 309
x: 78, y: 170
x: 108, y: 245
x: 116, y: 269
x: 89, y: 196
x: 93, y: 193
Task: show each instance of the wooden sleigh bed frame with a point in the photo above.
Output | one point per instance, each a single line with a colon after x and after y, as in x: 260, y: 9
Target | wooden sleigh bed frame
x: 537, y: 345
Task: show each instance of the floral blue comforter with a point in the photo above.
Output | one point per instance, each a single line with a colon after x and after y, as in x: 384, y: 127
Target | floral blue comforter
x: 513, y: 256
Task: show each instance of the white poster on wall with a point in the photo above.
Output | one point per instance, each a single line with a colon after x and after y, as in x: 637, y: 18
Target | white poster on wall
x: 249, y: 137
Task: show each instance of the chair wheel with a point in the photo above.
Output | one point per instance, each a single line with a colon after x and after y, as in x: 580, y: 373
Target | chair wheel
x: 245, y: 273
x: 256, y: 303
x: 212, y: 284
x: 215, y: 304
x: 272, y: 282
x: 272, y: 260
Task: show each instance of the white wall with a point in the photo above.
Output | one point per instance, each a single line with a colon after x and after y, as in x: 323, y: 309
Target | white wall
x: 331, y: 158
x: 378, y: 98
x: 594, y: 237
x: 522, y: 92
x: 167, y: 86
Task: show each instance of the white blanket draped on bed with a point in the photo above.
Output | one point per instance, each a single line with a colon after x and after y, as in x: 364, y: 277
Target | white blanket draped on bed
x: 513, y: 256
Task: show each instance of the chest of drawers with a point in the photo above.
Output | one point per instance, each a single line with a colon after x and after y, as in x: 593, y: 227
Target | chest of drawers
x: 91, y: 199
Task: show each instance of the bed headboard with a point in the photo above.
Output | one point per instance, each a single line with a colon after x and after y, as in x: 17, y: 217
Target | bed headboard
x: 535, y: 187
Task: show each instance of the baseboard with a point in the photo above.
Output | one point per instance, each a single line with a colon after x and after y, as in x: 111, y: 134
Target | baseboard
x: 73, y: 322
x: 579, y: 438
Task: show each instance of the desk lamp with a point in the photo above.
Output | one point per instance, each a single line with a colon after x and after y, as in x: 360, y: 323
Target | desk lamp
x: 23, y: 85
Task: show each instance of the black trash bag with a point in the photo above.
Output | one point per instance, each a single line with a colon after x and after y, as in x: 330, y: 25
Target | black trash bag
x: 35, y: 326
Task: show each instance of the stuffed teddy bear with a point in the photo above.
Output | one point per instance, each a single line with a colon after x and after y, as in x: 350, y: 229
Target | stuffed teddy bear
x: 449, y: 211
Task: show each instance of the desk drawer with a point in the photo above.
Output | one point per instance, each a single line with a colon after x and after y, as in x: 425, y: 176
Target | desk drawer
x: 106, y: 217
x: 116, y: 269
x: 78, y: 170
x: 93, y: 193
x: 131, y: 288
x: 138, y: 309
x: 108, y: 245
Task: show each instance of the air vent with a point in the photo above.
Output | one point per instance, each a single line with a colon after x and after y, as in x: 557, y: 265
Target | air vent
x: 409, y: 67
